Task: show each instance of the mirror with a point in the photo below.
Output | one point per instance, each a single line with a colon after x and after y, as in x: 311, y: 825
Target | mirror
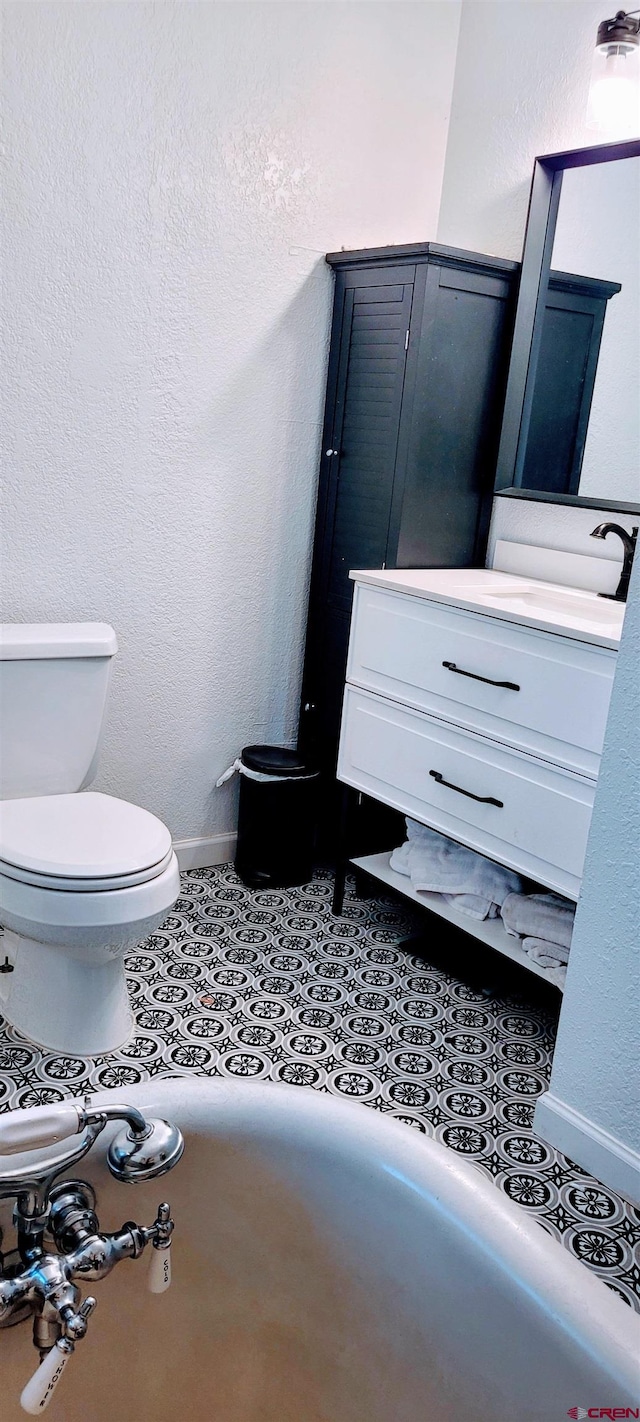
x: 571, y: 428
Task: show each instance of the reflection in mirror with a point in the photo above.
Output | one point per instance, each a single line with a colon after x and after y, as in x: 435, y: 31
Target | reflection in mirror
x: 584, y: 431
x: 570, y: 428
x: 598, y: 233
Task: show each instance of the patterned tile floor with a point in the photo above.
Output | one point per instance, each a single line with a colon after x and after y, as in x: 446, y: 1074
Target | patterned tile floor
x: 269, y: 984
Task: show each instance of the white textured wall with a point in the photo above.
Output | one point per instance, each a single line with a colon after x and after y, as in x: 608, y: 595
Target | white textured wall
x: 517, y: 95
x: 176, y: 171
x: 521, y: 87
x: 596, y: 1066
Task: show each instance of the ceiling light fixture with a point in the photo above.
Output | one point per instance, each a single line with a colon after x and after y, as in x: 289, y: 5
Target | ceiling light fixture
x: 614, y: 96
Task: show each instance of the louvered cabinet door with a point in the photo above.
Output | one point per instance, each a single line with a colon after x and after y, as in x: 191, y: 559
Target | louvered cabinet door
x: 372, y: 314
x: 364, y: 432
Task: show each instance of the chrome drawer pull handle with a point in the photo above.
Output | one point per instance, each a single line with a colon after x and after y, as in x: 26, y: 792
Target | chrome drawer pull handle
x: 508, y: 685
x: 483, y: 799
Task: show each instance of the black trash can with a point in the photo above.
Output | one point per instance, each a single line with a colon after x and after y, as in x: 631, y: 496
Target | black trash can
x: 277, y: 818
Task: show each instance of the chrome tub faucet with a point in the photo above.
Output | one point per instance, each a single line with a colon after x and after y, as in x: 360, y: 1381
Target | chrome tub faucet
x: 58, y: 1236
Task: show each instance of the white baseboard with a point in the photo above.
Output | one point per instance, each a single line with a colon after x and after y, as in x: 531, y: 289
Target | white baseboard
x: 203, y: 853
x: 596, y: 1150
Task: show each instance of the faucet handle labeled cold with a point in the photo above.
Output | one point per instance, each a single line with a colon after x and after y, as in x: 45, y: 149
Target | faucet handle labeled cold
x: 160, y: 1266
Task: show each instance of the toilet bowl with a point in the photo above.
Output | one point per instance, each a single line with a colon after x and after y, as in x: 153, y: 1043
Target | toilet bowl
x: 68, y: 923
x: 84, y: 876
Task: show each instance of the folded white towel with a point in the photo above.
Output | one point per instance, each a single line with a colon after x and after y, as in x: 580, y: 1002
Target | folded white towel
x: 470, y: 904
x: 546, y: 916
x: 548, y: 955
x: 467, y: 880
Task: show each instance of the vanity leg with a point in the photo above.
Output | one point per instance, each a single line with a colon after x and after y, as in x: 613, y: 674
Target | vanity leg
x: 363, y: 887
x: 342, y: 851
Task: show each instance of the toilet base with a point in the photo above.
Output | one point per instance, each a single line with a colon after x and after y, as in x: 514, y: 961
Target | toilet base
x: 63, y: 1003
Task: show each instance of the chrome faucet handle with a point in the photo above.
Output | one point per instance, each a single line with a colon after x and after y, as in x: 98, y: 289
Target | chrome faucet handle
x: 45, y: 1289
x: 41, y: 1386
x: 47, y: 1285
x: 160, y: 1266
x: 88, y: 1254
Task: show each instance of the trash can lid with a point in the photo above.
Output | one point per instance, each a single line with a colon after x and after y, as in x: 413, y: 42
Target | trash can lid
x: 276, y: 760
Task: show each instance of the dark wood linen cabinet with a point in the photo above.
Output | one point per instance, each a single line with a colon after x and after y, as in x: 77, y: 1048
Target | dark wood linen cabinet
x: 417, y: 367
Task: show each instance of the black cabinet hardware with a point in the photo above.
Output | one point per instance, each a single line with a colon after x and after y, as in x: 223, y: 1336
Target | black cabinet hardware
x: 483, y: 799
x: 509, y: 685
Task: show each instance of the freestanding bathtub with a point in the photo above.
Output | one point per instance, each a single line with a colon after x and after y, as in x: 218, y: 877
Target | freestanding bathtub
x: 331, y: 1266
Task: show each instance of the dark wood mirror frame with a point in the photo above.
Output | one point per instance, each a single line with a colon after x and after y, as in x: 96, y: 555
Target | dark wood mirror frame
x: 546, y: 187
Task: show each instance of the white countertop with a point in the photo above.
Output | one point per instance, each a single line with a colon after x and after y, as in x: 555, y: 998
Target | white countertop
x: 550, y: 607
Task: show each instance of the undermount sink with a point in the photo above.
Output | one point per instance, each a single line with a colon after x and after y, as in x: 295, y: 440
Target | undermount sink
x: 573, y: 604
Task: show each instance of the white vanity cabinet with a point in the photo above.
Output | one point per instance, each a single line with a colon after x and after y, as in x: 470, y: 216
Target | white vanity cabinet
x: 545, y: 694
x: 485, y: 728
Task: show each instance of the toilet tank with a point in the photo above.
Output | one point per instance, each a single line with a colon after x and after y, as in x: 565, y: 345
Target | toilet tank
x: 54, y: 679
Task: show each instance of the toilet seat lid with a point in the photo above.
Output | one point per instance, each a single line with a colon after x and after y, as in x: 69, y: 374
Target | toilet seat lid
x: 81, y: 836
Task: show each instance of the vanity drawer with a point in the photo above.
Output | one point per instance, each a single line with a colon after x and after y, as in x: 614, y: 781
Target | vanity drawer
x: 401, y: 645
x: 397, y: 755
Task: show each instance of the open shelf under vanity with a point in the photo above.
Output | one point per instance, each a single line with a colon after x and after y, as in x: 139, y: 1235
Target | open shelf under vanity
x: 489, y: 931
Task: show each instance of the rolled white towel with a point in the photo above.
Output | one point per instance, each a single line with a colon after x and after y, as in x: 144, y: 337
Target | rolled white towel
x: 545, y: 916
x: 473, y: 905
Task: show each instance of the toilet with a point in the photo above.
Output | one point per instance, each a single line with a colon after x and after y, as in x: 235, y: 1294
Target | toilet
x: 84, y: 876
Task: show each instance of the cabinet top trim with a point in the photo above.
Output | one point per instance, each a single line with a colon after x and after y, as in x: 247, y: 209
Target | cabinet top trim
x: 421, y: 251
x: 425, y: 252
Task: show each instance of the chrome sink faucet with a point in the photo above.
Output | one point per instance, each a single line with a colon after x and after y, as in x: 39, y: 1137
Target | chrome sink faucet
x: 629, y: 545
x: 58, y: 1236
